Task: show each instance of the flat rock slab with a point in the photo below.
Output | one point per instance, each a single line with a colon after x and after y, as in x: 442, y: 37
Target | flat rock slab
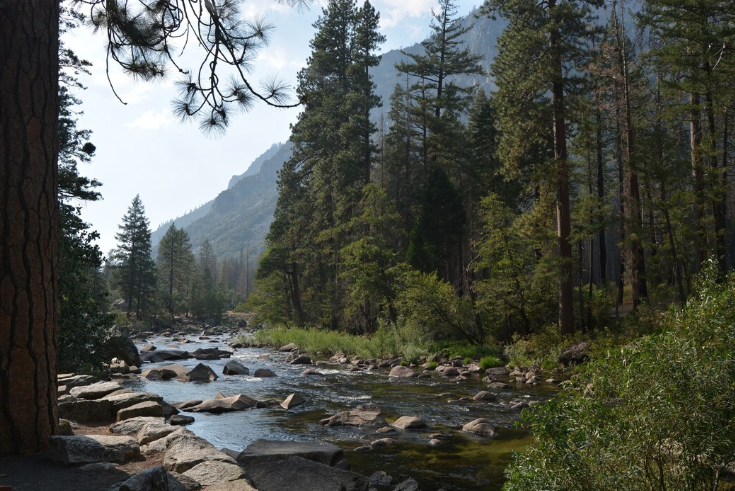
x: 304, y: 475
x: 95, y: 391
x: 133, y: 426
x: 157, y: 478
x: 121, y: 401
x: 72, y: 381
x: 409, y: 423
x: 154, y: 431
x: 237, y: 402
x: 165, y: 355
x: 369, y: 415
x: 81, y: 449
x: 149, y: 408
x: 185, y: 451
x: 213, y: 472
x: 269, y: 450
x: 86, y: 411
x: 239, y: 485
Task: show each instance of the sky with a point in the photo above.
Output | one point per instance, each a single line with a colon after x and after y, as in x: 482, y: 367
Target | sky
x: 142, y: 148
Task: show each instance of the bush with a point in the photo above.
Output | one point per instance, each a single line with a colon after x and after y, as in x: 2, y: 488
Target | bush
x: 659, y: 414
x: 490, y: 361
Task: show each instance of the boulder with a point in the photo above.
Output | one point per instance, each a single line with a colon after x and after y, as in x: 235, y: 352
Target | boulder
x: 65, y: 428
x: 263, y: 373
x: 496, y: 372
x: 86, y: 411
x: 180, y: 420
x: 133, y: 426
x: 71, y: 381
x: 480, y: 426
x: 450, y: 372
x: 168, y: 409
x: 186, y: 451
x: 147, y: 348
x: 409, y: 423
x: 239, y: 485
x: 148, y: 408
x: 234, y: 367
x: 364, y: 415
x: 213, y: 472
x: 380, y: 479
x: 164, y: 355
x: 212, y: 351
x: 127, y: 399
x: 310, y: 476
x: 159, y: 446
x: 288, y: 347
x: 185, y: 405
x: 301, y: 360
x: 123, y: 348
x: 237, y: 402
x: 575, y: 354
x: 153, y: 479
x: 201, y: 373
x: 382, y: 443
x: 119, y: 367
x: 400, y: 371
x: 154, y: 431
x: 484, y: 396
x: 407, y: 485
x: 80, y: 449
x: 95, y: 391
x: 292, y: 400
x: 267, y: 450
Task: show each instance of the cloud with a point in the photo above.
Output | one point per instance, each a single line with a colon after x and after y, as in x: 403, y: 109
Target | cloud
x: 152, y: 120
x: 392, y: 12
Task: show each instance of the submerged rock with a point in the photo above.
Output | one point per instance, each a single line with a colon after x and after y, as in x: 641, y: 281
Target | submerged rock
x: 480, y: 426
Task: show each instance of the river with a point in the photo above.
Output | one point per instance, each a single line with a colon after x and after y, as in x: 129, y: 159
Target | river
x: 462, y: 462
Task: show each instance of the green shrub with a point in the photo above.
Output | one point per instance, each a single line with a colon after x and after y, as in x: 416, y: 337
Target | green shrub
x: 431, y: 365
x: 658, y: 415
x: 490, y: 361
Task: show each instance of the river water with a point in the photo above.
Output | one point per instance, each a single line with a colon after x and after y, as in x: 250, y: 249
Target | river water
x: 462, y: 462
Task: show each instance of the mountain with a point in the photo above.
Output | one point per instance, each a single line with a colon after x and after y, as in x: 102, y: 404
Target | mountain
x: 239, y: 217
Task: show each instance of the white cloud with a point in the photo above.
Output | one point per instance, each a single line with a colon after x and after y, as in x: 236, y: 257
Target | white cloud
x: 392, y: 12
x: 152, y: 120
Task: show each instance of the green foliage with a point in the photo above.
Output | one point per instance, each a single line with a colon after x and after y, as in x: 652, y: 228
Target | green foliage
x: 208, y: 299
x: 175, y: 262
x: 490, y: 361
x: 658, y: 414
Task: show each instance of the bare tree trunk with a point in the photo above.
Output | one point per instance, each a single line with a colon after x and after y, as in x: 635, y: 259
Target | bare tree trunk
x: 29, y: 65
x: 601, y: 197
x: 563, y: 206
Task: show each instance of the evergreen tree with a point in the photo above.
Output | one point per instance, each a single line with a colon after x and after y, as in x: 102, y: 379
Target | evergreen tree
x: 134, y: 269
x: 174, y: 263
x: 208, y: 300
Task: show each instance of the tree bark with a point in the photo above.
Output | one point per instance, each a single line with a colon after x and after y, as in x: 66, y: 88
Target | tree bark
x: 563, y: 206
x: 29, y: 65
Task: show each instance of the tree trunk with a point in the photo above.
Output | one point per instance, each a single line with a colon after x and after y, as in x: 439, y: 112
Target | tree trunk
x: 695, y: 143
x: 563, y: 207
x: 29, y: 65
x: 719, y: 191
x: 601, y: 197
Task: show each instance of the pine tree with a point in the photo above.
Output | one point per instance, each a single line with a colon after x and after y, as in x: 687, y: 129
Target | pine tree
x: 134, y: 269
x: 174, y: 263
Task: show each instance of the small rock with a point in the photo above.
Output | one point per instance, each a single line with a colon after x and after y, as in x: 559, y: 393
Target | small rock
x: 362, y: 449
x: 479, y: 426
x: 234, y: 367
x: 365, y: 415
x: 409, y: 423
x: 179, y: 419
x: 288, y: 347
x: 400, y: 371
x: 301, y: 360
x: 484, y: 396
x: 450, y: 372
x: 263, y: 373
x: 386, y: 430
x: 380, y: 479
x: 292, y: 400
x: 382, y: 443
x: 407, y: 485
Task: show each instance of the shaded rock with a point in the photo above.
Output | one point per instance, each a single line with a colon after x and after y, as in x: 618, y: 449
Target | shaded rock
x: 79, y: 449
x: 575, y: 354
x: 213, y: 472
x: 382, y: 443
x: 134, y: 425
x: 173, y: 370
x: 185, y: 451
x: 480, y: 426
x: 386, y: 430
x: 65, y: 428
x: 400, y: 371
x: 484, y: 396
x: 498, y: 385
x: 212, y: 351
x: 178, y: 419
x: 119, y: 366
x: 301, y: 360
x: 450, y: 372
x: 164, y: 355
x: 185, y: 405
x: 148, y: 408
x: 407, y: 485
x: 288, y: 347
x: 343, y: 464
x: 94, y: 391
x: 168, y: 409
x: 363, y: 415
x: 263, y: 373
x: 72, y: 381
x: 237, y: 402
x: 310, y: 476
x: 234, y: 367
x: 86, y: 411
x: 292, y: 400
x: 180, y: 482
x: 147, y: 348
x: 409, y: 423
x: 153, y: 479
x: 380, y: 479
x: 153, y: 431
x: 121, y: 401
x: 98, y: 467
x: 268, y: 450
x: 123, y: 348
x: 496, y: 372
x: 201, y: 373
x: 239, y: 485
x: 362, y: 449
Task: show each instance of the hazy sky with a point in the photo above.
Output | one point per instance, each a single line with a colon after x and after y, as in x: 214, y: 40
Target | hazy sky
x: 143, y: 149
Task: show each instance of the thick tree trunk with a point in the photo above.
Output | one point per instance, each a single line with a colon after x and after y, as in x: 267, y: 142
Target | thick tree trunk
x: 29, y: 65
x: 563, y: 206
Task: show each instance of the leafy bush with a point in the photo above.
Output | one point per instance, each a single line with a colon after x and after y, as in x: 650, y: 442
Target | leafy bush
x: 657, y: 414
